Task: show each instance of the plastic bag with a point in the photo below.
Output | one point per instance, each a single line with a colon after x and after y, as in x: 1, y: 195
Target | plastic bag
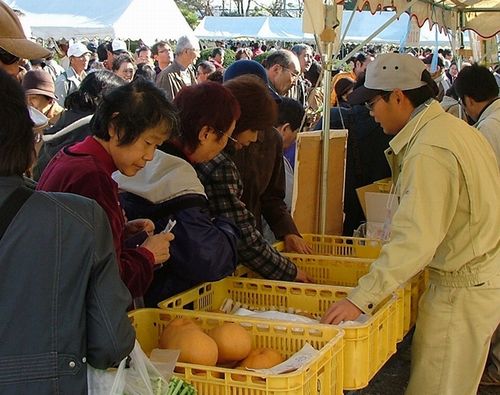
x: 139, y: 378
x: 106, y: 382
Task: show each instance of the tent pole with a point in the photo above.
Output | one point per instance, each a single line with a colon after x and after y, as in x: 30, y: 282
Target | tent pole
x: 327, y: 80
x: 329, y: 37
x: 348, y: 26
x: 381, y: 28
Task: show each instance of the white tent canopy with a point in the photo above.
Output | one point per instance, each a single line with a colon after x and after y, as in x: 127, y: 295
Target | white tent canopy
x: 290, y: 29
x: 258, y: 27
x: 149, y: 20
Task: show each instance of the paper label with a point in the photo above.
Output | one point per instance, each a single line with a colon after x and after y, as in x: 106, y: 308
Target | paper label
x: 296, y: 361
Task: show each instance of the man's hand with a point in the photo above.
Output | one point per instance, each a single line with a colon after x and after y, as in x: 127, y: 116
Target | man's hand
x: 139, y: 225
x: 294, y: 243
x: 343, y: 310
x: 303, y: 277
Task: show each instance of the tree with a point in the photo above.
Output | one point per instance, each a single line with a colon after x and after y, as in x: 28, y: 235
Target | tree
x: 200, y: 8
x: 242, y: 9
x: 190, y: 16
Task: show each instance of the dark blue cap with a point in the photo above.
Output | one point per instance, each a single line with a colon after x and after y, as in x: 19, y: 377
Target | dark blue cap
x: 243, y: 67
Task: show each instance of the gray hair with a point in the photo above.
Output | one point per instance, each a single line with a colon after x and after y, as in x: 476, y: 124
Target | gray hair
x: 185, y: 42
x: 298, y: 49
x: 283, y: 57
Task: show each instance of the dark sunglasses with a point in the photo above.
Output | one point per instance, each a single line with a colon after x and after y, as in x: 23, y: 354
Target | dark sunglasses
x: 7, y: 58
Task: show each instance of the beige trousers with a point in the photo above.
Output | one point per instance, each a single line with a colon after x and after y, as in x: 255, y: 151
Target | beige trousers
x: 452, y: 338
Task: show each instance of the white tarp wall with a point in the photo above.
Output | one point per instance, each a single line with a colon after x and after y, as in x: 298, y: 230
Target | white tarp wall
x: 149, y: 20
x: 290, y: 29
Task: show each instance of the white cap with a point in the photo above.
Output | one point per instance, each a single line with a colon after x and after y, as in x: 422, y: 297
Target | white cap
x: 77, y: 49
x: 118, y: 45
x: 395, y: 71
x: 388, y: 72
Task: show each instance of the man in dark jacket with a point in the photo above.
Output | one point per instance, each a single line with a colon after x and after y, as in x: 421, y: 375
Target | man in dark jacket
x: 263, y: 174
x: 63, y: 303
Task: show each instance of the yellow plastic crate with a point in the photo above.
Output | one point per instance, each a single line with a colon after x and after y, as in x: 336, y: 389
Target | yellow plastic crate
x: 339, y: 271
x: 354, y: 247
x: 321, y: 375
x: 366, y: 346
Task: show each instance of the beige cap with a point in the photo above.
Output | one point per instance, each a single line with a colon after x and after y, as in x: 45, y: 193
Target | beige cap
x: 12, y: 38
x: 387, y: 72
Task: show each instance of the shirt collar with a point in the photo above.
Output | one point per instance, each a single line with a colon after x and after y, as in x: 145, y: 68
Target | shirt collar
x: 90, y: 146
x: 181, y: 67
x: 488, y: 109
x: 432, y: 108
x: 207, y: 168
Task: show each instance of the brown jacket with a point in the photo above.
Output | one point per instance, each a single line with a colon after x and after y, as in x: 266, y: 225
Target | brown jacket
x: 263, y: 175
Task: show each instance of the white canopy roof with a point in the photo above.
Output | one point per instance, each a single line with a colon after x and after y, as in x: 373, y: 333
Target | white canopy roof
x: 259, y: 27
x: 290, y: 29
x: 149, y: 20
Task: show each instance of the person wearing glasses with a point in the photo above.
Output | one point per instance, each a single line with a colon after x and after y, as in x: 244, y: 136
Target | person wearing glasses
x: 124, y: 67
x: 224, y: 185
x: 72, y: 77
x: 13, y: 43
x: 181, y: 72
x: 448, y: 186
x: 283, y: 70
x: 205, y: 247
x: 261, y: 167
x: 162, y: 55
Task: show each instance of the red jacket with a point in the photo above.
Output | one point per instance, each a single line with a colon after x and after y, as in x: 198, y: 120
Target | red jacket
x: 85, y: 169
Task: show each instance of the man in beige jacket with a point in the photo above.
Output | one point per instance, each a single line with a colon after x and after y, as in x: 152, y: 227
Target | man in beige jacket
x: 448, y: 186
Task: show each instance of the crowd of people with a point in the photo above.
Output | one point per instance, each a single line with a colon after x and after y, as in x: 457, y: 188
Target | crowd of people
x: 104, y: 148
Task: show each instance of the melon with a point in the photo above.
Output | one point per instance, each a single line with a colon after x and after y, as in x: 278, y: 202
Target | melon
x: 233, y: 341
x: 195, y: 345
x: 262, y: 358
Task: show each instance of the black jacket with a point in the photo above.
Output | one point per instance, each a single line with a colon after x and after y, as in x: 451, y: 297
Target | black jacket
x: 365, y: 162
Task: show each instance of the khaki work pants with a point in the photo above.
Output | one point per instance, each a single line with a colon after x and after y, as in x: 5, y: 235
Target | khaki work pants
x: 452, y: 338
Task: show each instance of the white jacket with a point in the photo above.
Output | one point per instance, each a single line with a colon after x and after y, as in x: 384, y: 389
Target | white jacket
x: 489, y: 125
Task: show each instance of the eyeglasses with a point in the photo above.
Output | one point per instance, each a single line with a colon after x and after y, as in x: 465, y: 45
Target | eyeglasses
x: 228, y: 136
x: 294, y: 74
x: 369, y: 105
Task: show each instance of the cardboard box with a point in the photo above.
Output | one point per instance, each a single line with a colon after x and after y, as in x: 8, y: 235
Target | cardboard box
x: 379, y: 206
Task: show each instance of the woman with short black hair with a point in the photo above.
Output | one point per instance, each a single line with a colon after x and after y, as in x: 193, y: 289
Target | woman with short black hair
x: 129, y: 124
